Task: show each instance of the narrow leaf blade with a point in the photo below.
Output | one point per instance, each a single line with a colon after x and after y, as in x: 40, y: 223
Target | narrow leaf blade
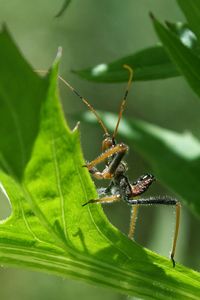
x: 191, y: 10
x: 20, y: 105
x: 148, y: 64
x: 185, y: 60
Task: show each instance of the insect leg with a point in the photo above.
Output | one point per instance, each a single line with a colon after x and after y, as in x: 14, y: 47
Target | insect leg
x: 134, y: 212
x: 107, y: 199
x: 163, y: 201
x: 178, y: 209
x: 118, y: 150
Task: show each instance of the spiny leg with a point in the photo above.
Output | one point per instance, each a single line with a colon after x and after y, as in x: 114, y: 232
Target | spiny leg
x: 108, y: 199
x: 111, y: 151
x: 118, y: 150
x: 134, y: 212
x: 162, y: 201
x: 115, y: 148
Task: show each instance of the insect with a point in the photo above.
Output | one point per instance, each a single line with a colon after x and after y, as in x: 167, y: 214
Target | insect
x: 120, y: 187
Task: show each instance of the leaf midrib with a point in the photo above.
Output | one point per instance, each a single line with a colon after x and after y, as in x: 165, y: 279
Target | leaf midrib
x: 62, y: 264
x: 59, y: 187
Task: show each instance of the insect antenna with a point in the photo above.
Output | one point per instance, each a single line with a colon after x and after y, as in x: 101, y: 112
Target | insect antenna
x: 85, y: 101
x: 123, y: 103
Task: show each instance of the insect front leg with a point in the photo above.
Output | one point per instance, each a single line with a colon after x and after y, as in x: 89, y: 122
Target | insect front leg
x: 118, y: 151
x: 106, y: 199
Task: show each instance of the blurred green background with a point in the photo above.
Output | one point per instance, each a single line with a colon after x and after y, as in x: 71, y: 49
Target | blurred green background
x: 92, y: 32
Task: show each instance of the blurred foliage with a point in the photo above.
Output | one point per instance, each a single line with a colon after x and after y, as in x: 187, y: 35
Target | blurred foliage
x: 148, y: 64
x: 185, y: 59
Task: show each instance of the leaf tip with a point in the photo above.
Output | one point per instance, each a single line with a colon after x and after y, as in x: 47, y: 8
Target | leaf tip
x: 59, y: 53
x: 58, y: 57
x: 151, y: 15
x: 4, y: 28
x: 63, y: 8
x: 168, y: 24
x: 77, y: 72
x: 76, y: 126
x: 73, y: 71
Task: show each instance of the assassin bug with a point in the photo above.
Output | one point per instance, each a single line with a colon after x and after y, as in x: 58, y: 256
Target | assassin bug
x: 120, y: 187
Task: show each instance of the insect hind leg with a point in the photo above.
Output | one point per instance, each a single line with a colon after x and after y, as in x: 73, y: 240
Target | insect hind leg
x: 163, y: 201
x: 134, y: 213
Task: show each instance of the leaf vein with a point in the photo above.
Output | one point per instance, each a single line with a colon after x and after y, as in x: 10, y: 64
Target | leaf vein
x: 58, y: 181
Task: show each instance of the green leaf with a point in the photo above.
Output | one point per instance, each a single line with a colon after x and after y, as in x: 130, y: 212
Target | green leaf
x: 20, y: 108
x: 49, y: 230
x: 175, y: 157
x: 191, y: 9
x: 148, y: 64
x: 187, y: 62
x: 185, y: 35
x: 63, y: 8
